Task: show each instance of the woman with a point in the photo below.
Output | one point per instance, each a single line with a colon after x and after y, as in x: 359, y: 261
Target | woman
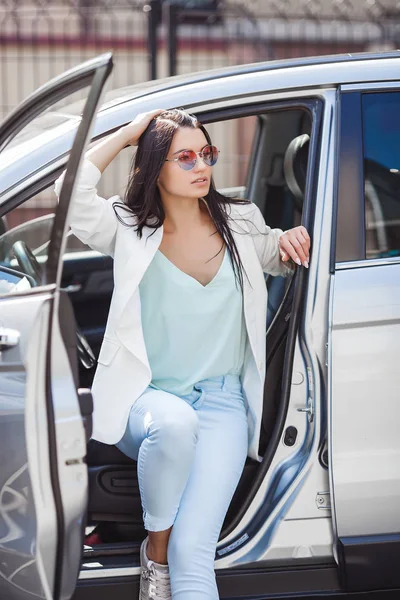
x: 180, y: 376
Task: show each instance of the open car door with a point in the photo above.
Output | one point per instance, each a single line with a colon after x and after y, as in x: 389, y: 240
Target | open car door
x: 43, y: 476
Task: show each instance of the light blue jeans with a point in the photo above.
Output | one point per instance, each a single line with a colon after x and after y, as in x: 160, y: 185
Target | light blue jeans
x: 191, y: 452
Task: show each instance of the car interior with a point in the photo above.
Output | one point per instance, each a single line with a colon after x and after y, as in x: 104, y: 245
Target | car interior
x: 276, y: 179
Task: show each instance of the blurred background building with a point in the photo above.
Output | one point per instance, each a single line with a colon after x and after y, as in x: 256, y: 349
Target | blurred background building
x: 41, y: 38
x: 156, y: 38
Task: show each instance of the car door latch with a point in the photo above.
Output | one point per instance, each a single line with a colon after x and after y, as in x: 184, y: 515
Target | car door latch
x: 323, y: 500
x: 309, y: 409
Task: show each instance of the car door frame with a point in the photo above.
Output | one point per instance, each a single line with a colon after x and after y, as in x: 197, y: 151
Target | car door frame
x: 61, y: 453
x: 315, y: 107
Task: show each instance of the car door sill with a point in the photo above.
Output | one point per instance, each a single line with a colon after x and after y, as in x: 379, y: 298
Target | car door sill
x: 300, y: 582
x: 111, y: 549
x: 127, y: 565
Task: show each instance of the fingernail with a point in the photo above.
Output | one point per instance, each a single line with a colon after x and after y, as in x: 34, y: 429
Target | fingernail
x: 298, y: 261
x: 306, y: 264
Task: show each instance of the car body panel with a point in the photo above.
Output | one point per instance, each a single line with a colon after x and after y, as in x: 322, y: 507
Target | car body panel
x: 364, y: 418
x: 366, y: 455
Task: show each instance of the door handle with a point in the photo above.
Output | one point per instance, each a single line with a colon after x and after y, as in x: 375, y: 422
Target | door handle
x: 8, y: 338
x: 72, y: 288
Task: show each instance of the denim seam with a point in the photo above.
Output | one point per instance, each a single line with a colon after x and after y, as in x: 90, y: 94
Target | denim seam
x: 140, y: 467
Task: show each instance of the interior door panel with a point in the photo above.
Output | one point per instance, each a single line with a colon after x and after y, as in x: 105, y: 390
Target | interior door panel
x: 88, y: 279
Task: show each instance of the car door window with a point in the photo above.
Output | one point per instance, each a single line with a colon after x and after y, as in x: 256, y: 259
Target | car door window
x: 381, y: 134
x: 31, y: 222
x: 36, y: 231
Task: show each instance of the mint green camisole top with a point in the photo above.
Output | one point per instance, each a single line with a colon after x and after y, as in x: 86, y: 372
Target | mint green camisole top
x: 191, y: 332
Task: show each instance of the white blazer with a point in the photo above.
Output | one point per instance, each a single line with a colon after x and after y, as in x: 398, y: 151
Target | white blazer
x: 123, y: 371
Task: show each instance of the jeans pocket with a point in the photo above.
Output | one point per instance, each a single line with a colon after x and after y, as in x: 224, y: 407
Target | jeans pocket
x: 199, y: 398
x: 195, y: 398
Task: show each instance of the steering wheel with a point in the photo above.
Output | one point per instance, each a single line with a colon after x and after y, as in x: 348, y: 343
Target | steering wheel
x: 29, y: 264
x: 27, y: 261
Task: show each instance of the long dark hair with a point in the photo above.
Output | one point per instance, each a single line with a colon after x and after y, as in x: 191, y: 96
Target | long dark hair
x: 142, y: 198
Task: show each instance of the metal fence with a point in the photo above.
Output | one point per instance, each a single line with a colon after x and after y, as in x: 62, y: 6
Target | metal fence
x: 41, y: 38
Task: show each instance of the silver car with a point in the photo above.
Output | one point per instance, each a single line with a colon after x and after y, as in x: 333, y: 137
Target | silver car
x: 311, y: 141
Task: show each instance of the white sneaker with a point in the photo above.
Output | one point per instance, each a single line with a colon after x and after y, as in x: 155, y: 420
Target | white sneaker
x: 154, y: 578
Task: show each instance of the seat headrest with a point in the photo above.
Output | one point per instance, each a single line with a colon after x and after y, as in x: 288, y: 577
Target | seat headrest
x: 295, y: 165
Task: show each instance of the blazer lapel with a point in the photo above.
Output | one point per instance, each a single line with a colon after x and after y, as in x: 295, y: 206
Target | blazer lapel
x: 143, y: 255
x: 244, y: 245
x: 129, y: 328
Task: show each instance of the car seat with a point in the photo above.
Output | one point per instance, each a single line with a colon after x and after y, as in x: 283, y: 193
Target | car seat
x: 295, y: 171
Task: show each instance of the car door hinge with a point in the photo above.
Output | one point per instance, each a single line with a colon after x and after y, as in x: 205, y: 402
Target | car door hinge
x: 323, y: 500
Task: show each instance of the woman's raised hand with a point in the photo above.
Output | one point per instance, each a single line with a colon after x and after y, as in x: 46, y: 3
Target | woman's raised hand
x: 295, y: 244
x: 135, y: 128
x: 102, y: 153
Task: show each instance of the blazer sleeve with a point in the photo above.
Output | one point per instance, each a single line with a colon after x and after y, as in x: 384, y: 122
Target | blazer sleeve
x: 267, y: 246
x: 93, y: 219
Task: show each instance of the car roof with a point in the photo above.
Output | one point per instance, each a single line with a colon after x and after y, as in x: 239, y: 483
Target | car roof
x: 348, y: 62
x: 187, y: 90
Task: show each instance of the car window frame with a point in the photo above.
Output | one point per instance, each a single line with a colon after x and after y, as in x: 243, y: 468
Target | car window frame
x: 315, y: 105
x: 350, y: 183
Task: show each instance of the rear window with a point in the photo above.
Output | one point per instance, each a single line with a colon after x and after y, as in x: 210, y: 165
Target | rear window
x: 381, y: 142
